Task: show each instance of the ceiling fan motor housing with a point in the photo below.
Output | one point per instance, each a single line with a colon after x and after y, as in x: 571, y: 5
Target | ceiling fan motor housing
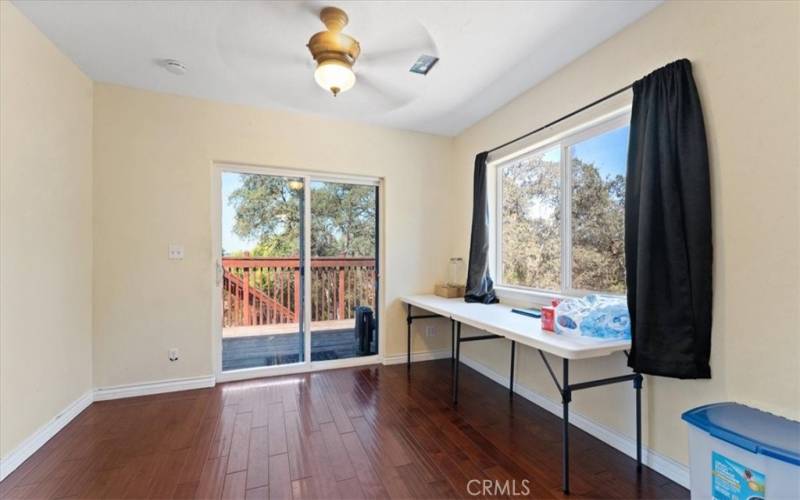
x: 327, y: 45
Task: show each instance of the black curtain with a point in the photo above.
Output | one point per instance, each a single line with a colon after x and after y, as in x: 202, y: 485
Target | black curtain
x: 668, y: 250
x: 480, y: 287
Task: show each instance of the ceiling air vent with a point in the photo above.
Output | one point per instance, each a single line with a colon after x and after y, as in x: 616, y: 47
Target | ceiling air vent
x: 423, y: 64
x: 173, y: 66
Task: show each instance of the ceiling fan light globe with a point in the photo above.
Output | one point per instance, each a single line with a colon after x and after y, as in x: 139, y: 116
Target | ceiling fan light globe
x: 335, y: 76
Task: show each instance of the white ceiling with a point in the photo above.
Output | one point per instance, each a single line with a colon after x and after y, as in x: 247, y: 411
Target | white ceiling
x: 254, y: 53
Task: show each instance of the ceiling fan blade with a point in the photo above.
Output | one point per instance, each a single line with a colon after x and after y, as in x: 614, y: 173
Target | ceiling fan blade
x: 400, y: 54
x: 289, y: 9
x: 393, y: 98
x: 252, y: 37
x: 311, y: 8
x: 397, y: 45
x: 257, y: 55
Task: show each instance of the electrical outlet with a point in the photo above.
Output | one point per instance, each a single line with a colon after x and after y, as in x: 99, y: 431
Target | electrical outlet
x: 429, y: 331
x: 175, y: 252
x: 173, y: 354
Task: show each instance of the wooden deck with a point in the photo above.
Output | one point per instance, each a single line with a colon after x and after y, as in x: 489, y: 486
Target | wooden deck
x: 257, y: 349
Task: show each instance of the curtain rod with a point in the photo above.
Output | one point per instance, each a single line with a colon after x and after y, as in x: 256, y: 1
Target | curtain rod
x: 609, y: 96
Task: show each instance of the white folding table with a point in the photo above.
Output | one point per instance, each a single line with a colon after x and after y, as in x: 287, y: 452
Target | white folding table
x: 499, y: 322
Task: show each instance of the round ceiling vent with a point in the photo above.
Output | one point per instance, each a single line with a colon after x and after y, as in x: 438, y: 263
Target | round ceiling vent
x: 173, y: 66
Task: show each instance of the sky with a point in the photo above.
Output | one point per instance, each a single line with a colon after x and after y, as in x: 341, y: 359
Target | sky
x: 608, y: 151
x: 230, y: 242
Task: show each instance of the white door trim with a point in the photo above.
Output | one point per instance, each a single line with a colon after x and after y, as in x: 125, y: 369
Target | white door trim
x: 216, y: 277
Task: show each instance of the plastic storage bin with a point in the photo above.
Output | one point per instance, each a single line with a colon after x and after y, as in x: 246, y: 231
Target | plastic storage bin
x: 741, y: 453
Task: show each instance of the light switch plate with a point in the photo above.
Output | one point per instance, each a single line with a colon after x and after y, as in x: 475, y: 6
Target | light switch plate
x: 175, y: 252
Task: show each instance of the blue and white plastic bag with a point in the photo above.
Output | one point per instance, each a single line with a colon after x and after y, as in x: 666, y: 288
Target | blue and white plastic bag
x: 596, y: 316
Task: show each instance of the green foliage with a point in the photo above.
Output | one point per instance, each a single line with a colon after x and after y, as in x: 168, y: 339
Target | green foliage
x: 598, y: 228
x: 268, y: 211
x: 343, y: 220
x: 531, y: 226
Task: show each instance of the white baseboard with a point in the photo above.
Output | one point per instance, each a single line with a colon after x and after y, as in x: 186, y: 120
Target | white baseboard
x: 146, y: 389
x: 36, y: 440
x: 664, y: 465
x: 397, y: 359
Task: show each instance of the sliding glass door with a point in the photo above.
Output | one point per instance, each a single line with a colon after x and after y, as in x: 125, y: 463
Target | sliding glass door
x: 344, y: 239
x: 298, y: 269
x: 262, y: 258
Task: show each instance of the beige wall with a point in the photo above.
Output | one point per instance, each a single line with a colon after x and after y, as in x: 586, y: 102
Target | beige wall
x: 746, y: 58
x: 45, y: 230
x: 153, y: 159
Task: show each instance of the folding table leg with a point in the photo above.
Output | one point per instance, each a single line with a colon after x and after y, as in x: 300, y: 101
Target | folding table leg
x: 637, y: 385
x: 458, y: 358
x: 452, y: 340
x: 511, y: 376
x: 565, y: 399
x: 408, y: 339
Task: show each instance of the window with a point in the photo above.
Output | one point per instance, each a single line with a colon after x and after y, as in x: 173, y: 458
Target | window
x: 581, y: 175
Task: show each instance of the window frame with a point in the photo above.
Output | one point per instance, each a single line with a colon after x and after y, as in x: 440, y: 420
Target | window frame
x: 563, y: 141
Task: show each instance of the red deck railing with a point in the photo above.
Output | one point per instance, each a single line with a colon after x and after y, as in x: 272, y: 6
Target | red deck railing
x: 266, y: 291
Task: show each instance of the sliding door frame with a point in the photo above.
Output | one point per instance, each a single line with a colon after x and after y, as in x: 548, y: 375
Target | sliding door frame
x: 306, y: 365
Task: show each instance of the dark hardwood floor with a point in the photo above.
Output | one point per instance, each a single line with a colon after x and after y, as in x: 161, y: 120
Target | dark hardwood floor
x: 367, y: 432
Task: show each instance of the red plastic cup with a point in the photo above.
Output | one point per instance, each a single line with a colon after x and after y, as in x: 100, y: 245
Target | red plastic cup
x: 548, y: 318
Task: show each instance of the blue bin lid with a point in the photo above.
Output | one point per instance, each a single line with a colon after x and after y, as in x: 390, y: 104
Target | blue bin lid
x: 754, y: 430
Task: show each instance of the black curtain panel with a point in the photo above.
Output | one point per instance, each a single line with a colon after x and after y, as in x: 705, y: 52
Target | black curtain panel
x: 480, y: 287
x: 668, y: 252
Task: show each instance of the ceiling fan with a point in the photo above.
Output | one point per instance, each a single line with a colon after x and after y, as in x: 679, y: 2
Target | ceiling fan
x: 276, y: 44
x: 335, y: 52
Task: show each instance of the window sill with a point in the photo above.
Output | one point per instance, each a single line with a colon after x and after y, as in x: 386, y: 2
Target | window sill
x: 525, y: 297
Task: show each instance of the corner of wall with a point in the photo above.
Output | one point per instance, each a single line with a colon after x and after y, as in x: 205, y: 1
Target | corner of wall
x: 47, y: 218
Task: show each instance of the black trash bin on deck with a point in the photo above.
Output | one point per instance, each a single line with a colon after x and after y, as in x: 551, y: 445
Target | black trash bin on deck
x: 364, y: 331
